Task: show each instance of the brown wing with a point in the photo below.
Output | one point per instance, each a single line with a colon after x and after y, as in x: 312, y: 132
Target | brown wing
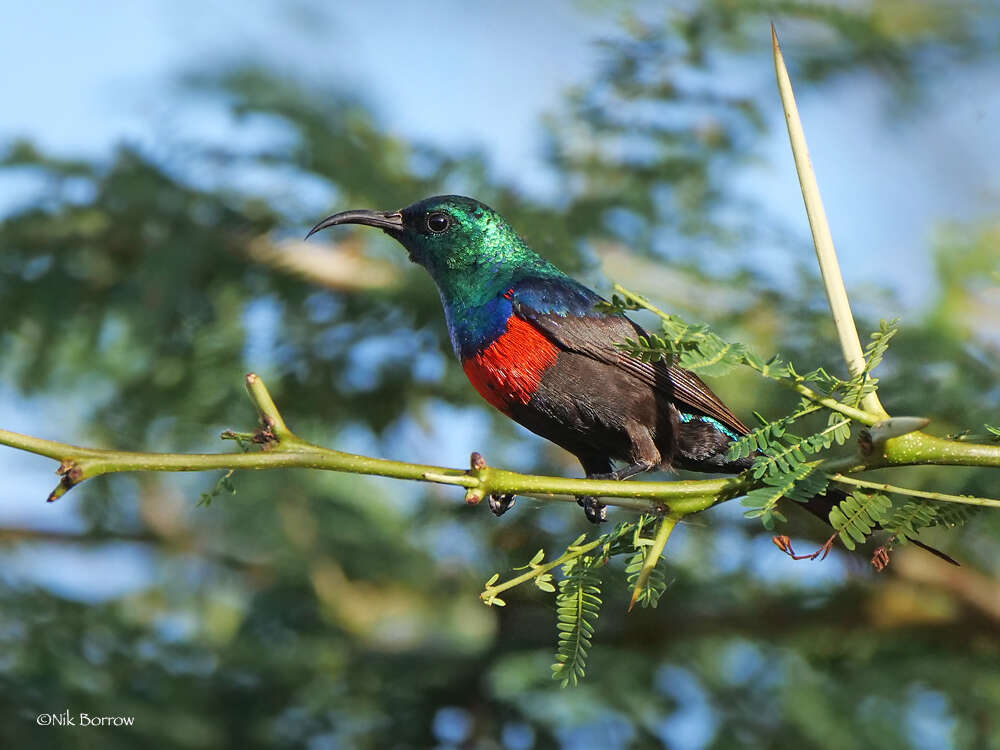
x: 596, y: 336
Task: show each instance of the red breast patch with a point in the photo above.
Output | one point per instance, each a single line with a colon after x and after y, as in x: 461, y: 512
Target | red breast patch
x: 509, y: 370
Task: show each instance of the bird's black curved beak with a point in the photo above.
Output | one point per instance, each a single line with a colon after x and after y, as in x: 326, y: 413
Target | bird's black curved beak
x: 388, y: 221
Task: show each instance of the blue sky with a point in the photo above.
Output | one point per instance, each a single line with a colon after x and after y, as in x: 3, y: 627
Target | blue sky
x: 447, y: 72
x: 482, y: 74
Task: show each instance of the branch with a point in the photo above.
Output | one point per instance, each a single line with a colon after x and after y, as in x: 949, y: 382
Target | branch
x: 858, y: 415
x: 281, y: 448
x: 653, y: 555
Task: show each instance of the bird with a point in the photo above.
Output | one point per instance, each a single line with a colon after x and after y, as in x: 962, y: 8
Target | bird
x: 538, y: 346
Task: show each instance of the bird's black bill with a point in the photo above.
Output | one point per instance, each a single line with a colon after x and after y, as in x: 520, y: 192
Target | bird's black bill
x: 389, y: 221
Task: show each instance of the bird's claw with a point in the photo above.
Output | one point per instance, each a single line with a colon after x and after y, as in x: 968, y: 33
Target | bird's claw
x: 500, y: 504
x: 596, y: 511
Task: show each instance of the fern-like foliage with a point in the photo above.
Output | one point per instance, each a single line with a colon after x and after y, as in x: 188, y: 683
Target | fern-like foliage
x: 621, y: 539
x: 801, y: 483
x: 785, y: 462
x: 542, y: 580
x: 763, y: 437
x: 857, y: 515
x: 784, y: 456
x: 577, y: 608
x: 694, y: 347
x: 857, y: 388
x: 786, y: 465
x: 639, y: 543
x: 906, y: 521
x: 656, y: 584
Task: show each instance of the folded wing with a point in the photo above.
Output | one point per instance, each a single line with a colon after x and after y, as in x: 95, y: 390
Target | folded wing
x: 565, y: 315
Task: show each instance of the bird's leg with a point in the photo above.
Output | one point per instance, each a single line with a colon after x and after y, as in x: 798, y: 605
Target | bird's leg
x: 594, y: 468
x: 597, y: 511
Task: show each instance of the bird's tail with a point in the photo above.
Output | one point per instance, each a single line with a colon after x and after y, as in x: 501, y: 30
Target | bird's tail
x: 821, y: 505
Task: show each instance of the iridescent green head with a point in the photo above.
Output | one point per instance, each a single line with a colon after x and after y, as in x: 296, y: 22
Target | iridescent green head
x: 469, y: 249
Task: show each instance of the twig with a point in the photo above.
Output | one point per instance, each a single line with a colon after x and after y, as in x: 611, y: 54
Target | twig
x: 833, y: 404
x: 653, y: 554
x: 270, y: 417
x: 490, y: 591
x: 943, y: 497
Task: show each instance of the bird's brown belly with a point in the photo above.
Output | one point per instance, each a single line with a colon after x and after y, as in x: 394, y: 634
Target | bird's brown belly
x: 592, y: 409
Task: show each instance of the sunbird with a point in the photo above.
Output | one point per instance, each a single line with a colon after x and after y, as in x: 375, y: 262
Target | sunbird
x: 534, y: 344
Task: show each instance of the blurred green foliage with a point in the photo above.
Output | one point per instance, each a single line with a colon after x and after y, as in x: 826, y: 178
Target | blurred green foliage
x: 337, y: 611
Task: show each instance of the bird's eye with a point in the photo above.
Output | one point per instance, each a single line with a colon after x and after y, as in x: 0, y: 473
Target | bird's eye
x: 438, y: 222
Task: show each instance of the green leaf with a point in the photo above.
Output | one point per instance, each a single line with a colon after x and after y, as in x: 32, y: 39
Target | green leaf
x: 655, y: 585
x: 577, y: 607
x: 761, y: 438
x: 801, y: 483
x: 856, y: 516
x: 223, y: 484
x: 906, y: 521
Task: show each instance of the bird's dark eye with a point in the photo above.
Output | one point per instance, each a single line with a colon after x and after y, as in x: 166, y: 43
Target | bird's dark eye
x: 438, y: 222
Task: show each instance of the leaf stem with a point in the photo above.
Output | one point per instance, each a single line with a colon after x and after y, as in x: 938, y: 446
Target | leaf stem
x: 858, y: 415
x: 489, y: 592
x: 270, y: 417
x: 939, y: 496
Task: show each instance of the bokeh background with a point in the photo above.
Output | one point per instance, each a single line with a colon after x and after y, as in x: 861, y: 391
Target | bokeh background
x: 162, y: 160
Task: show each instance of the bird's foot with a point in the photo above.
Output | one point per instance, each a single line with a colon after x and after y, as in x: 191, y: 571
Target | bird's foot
x: 596, y: 511
x: 500, y: 504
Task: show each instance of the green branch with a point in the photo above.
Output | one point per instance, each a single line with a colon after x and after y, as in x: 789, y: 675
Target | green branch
x: 858, y: 415
x: 282, y: 449
x: 653, y: 554
x: 575, y: 550
x: 939, y: 496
